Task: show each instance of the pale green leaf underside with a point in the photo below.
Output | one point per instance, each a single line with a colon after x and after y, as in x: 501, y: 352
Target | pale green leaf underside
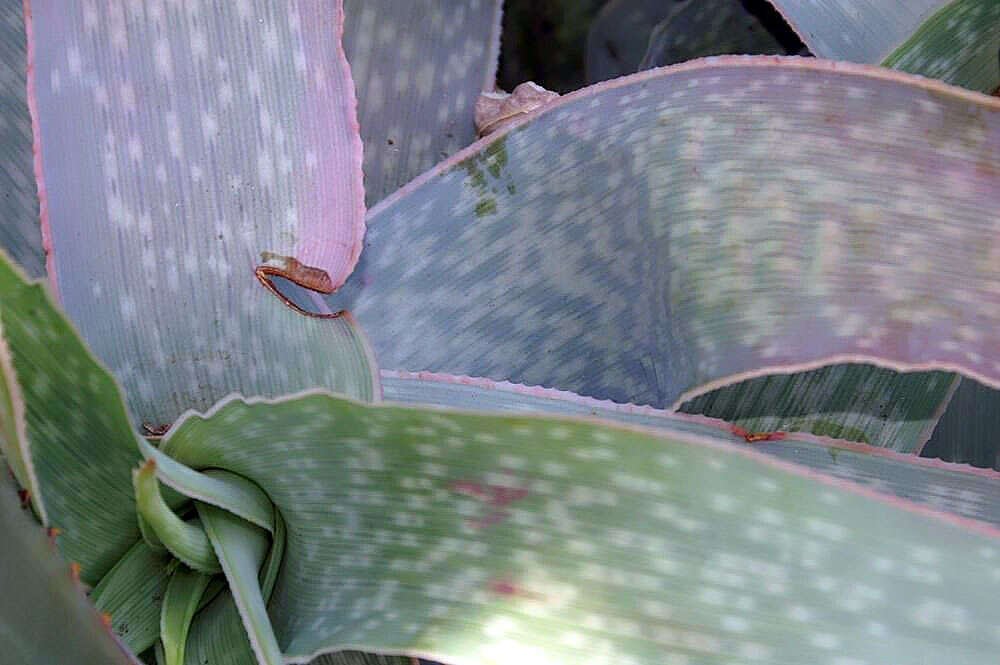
x: 82, y: 446
x: 504, y: 539
x: 180, y: 602
x: 952, y: 40
x: 705, y: 224
x: 952, y: 488
x: 39, y: 598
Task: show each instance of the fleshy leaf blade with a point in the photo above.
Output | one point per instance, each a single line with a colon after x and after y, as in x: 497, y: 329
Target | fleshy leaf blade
x: 80, y: 441
x: 683, y: 268
x: 38, y: 594
x: 20, y: 234
x: 132, y: 593
x: 958, y: 489
x: 952, y: 40
x: 241, y: 548
x: 180, y: 602
x: 206, y: 160
x: 485, y: 538
x: 415, y: 107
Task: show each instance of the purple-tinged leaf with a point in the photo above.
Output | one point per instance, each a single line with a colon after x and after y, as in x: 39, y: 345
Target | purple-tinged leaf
x: 703, y: 224
x: 419, y: 68
x: 183, y: 147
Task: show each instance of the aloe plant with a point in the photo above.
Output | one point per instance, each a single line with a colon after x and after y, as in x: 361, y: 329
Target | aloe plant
x: 802, y: 247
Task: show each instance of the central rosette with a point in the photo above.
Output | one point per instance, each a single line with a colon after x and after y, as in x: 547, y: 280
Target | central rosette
x: 215, y: 531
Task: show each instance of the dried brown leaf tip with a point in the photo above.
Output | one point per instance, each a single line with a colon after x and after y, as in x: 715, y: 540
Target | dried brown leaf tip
x: 74, y: 573
x: 155, y: 430
x: 295, y: 271
x: 755, y: 437
x: 496, y: 110
x: 25, y: 497
x: 53, y: 532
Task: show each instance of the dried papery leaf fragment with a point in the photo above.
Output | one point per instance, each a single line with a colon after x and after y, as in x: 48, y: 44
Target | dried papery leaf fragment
x: 462, y: 536
x: 706, y: 224
x: 415, y: 105
x: 211, y: 137
x: 496, y: 110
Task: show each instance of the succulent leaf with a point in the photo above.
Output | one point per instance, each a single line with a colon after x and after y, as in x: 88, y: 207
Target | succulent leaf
x: 707, y: 223
x: 415, y: 106
x: 207, y: 160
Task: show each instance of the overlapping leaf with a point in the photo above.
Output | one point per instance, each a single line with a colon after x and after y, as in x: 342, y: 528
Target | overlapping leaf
x: 77, y: 439
x: 631, y: 35
x: 670, y: 251
x: 958, y: 489
x: 20, y: 235
x: 205, y: 159
x: 491, y: 538
x: 38, y: 596
x: 419, y: 67
x: 952, y: 40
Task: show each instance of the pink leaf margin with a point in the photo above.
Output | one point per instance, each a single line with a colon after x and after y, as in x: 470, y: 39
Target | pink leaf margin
x: 725, y: 430
x: 332, y: 238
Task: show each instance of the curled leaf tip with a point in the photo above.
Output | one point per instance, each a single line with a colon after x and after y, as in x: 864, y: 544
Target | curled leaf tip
x: 265, y: 273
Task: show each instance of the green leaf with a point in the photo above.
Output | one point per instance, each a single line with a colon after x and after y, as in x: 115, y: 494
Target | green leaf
x: 953, y: 40
x: 852, y: 402
x: 182, y: 597
x: 418, y: 67
x: 80, y: 442
x: 241, y: 548
x: 186, y: 540
x: 20, y: 234
x: 959, y: 44
x: 961, y: 490
x: 967, y: 431
x: 235, y: 494
x: 38, y: 596
x: 233, y: 159
x: 486, y: 538
x: 708, y: 223
x: 631, y: 35
x: 132, y: 593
